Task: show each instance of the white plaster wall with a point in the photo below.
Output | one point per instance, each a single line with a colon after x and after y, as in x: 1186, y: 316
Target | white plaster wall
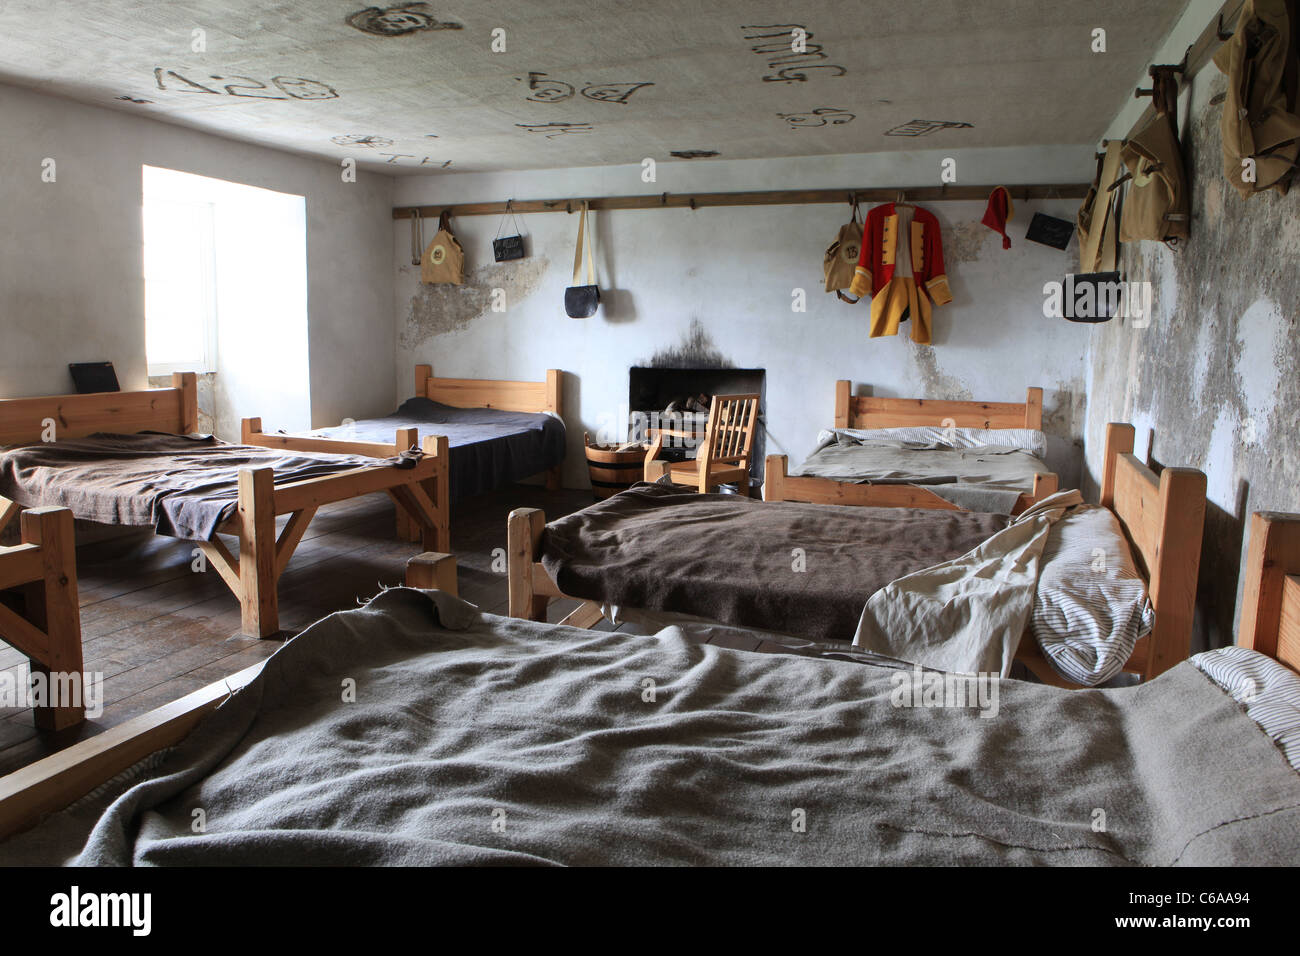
x: 733, y: 269
x: 71, y: 285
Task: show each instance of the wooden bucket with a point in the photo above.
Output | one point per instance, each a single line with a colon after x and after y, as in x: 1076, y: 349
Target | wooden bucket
x: 613, y: 471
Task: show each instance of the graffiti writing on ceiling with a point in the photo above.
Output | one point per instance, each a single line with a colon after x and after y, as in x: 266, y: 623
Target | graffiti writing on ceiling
x: 282, y: 87
x: 398, y: 21
x: 798, y: 57
x: 364, y: 140
x: 544, y: 89
x: 552, y: 130
x: 925, y: 127
x: 823, y: 116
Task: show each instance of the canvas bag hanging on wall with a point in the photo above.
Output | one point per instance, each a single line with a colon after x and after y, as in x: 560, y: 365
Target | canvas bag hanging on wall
x: 580, y: 301
x: 841, y: 257
x: 505, y: 248
x: 443, y: 260
x: 1156, y: 206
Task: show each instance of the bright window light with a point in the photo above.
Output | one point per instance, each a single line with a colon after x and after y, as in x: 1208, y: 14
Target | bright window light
x: 180, y: 288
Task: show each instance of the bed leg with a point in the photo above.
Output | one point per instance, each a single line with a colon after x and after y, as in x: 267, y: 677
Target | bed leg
x: 407, y: 529
x: 260, y: 612
x: 438, y: 488
x: 431, y: 570
x: 553, y: 479
x: 523, y: 536
x: 55, y: 610
x: 775, y: 468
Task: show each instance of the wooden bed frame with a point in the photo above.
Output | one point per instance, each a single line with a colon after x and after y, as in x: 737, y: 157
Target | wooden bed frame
x: 48, y: 630
x: 420, y: 491
x: 865, y: 411
x: 1162, y: 517
x: 457, y: 392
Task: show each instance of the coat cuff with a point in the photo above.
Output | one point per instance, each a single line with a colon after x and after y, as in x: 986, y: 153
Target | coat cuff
x: 938, y: 289
x: 861, y: 284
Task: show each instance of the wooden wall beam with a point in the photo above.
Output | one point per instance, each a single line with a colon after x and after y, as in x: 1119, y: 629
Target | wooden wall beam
x: 779, y: 197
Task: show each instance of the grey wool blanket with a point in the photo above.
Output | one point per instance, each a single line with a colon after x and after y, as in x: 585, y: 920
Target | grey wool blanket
x: 800, y: 569
x: 474, y: 739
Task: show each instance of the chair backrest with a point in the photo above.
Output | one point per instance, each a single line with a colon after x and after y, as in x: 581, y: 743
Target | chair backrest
x: 729, y: 435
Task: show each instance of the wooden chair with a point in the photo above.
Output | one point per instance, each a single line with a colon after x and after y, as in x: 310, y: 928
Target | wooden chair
x: 724, y: 454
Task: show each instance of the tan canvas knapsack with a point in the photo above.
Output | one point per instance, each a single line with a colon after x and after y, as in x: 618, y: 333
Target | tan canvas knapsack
x: 842, y: 257
x: 1260, y: 121
x: 443, y: 259
x: 1156, y: 206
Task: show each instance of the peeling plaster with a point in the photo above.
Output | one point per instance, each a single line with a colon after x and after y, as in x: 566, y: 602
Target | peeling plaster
x: 965, y: 241
x: 936, y: 383
x: 438, y: 309
x: 1215, y: 377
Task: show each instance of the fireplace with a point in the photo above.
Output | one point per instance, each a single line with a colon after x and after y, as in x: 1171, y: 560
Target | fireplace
x: 679, y: 398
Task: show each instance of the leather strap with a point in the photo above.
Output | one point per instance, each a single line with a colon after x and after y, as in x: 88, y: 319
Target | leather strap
x: 1103, y: 216
x: 577, y: 253
x: 417, y: 237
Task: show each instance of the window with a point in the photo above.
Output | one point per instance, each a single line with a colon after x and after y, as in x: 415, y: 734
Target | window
x: 180, y: 286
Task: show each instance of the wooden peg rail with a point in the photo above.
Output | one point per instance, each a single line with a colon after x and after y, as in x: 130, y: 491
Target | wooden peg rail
x: 780, y: 197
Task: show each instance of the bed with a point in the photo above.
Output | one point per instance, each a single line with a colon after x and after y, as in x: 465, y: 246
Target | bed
x: 922, y: 471
x: 729, y: 560
x: 58, y: 450
x: 480, y: 739
x: 499, y: 431
x: 41, y: 617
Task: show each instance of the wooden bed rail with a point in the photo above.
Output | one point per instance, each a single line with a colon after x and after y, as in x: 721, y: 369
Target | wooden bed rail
x: 1164, y: 518
x: 1270, y: 605
x: 780, y: 485
x: 868, y: 411
x: 505, y: 394
x: 52, y: 417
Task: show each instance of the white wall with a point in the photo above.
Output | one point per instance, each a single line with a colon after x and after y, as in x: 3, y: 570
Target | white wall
x: 732, y: 269
x: 71, y: 274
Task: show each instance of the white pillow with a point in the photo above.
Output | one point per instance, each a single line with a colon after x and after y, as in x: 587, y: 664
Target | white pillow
x: 1091, y: 605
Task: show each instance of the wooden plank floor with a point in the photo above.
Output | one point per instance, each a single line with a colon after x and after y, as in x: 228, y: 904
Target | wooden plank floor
x: 157, y: 630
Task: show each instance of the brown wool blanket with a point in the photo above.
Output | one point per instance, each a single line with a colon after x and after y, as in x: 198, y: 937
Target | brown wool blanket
x: 179, y: 485
x: 800, y: 569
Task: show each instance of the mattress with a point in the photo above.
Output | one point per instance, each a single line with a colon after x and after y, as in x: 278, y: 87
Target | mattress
x: 490, y: 448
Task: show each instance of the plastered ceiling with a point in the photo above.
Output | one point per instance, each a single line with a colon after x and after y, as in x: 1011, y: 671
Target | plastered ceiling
x: 419, y: 87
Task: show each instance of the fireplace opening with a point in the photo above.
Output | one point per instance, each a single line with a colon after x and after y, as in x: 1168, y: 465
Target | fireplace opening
x: 679, y: 398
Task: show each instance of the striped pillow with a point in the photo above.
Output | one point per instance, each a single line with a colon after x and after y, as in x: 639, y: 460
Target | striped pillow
x: 1091, y: 605
x: 1268, y: 690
